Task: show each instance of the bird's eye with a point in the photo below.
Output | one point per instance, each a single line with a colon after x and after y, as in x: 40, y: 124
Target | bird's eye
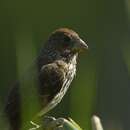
x: 67, y: 39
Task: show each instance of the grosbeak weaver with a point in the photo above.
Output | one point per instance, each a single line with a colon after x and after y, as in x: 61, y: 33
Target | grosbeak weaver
x: 51, y: 75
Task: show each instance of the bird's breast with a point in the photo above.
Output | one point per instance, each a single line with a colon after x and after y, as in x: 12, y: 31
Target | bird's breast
x: 67, y: 81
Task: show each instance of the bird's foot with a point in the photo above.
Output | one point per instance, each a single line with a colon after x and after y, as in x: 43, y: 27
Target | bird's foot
x: 51, y: 123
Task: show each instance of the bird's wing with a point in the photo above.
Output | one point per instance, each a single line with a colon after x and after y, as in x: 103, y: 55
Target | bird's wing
x: 51, y: 79
x: 48, y: 82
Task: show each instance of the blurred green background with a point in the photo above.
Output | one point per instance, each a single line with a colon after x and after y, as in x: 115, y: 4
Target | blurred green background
x: 102, y: 84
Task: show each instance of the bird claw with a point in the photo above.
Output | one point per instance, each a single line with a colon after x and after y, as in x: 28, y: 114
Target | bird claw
x: 47, y: 120
x: 51, y: 123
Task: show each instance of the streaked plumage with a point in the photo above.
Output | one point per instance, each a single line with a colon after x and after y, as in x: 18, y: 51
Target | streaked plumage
x: 51, y: 75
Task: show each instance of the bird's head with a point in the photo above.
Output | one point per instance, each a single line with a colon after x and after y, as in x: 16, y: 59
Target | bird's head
x: 66, y: 41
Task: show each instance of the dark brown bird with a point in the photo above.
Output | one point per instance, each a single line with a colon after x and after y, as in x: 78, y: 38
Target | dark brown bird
x: 48, y: 79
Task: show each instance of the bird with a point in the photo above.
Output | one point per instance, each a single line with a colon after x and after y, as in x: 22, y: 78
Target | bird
x: 47, y: 80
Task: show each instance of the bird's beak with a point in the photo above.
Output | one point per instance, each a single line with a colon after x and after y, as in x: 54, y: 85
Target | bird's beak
x: 80, y: 45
